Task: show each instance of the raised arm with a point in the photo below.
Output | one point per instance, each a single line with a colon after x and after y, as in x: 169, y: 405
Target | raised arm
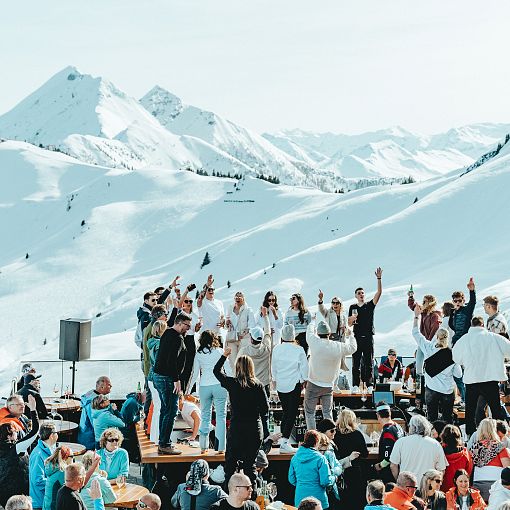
x: 472, y: 296
x: 217, y: 370
x: 378, y: 274
x: 24, y: 443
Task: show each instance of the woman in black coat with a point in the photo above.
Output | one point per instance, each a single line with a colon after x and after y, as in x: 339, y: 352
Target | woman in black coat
x: 349, y: 439
x: 248, y: 406
x: 14, y: 456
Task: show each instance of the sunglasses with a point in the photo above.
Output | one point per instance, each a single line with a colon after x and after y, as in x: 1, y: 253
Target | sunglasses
x: 210, y: 291
x: 141, y: 504
x: 333, y: 431
x: 335, y: 302
x: 112, y: 440
x: 188, y: 301
x: 153, y: 300
x: 271, y: 300
x: 438, y: 480
x: 457, y: 300
x: 411, y: 487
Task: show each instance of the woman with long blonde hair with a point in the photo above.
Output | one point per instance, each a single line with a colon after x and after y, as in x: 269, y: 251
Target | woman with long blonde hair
x: 248, y: 406
x: 349, y: 439
x: 54, y: 467
x: 430, y: 490
x: 489, y: 457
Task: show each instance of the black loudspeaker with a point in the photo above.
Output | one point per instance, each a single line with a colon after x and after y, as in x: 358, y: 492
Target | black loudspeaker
x: 74, y: 339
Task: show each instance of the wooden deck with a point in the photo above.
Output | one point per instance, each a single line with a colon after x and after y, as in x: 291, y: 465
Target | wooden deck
x: 149, y: 453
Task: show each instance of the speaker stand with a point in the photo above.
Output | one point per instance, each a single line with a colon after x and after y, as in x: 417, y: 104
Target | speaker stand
x: 73, y: 368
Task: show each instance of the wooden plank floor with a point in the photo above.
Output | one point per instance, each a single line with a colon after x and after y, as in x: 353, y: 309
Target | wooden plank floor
x: 149, y: 453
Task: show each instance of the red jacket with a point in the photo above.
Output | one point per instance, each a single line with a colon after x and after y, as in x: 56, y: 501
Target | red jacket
x: 457, y: 460
x: 6, y: 417
x: 429, y: 323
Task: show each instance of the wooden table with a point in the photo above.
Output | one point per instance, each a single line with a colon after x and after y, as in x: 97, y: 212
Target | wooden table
x: 77, y: 448
x: 63, y: 426
x: 128, y: 496
x: 62, y: 404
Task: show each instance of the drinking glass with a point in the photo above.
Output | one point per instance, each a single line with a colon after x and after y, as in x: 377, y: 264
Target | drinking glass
x: 120, y: 481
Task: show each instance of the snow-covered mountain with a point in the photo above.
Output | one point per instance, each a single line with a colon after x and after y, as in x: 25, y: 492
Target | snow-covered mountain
x: 91, y: 119
x: 393, y: 152
x: 97, y: 238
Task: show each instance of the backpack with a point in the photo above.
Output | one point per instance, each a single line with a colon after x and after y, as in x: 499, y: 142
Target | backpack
x: 139, y: 335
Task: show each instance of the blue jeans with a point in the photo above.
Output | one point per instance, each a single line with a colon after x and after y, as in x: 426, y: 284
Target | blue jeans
x: 169, y: 401
x: 217, y: 394
x: 459, y: 381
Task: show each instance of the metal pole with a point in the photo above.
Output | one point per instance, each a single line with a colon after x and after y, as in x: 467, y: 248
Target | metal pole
x: 74, y: 376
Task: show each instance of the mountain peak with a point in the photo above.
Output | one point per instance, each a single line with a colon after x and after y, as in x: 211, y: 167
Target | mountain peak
x: 162, y: 104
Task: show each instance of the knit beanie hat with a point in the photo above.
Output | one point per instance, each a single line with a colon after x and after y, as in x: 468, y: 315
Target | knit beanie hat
x: 288, y: 333
x: 323, y: 328
x: 261, y: 461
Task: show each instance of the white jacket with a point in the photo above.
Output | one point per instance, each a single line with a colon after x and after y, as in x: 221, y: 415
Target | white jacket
x: 326, y: 356
x: 332, y: 320
x: 275, y: 324
x: 442, y: 382
x: 289, y: 366
x: 242, y: 322
x: 482, y: 355
x: 498, y: 495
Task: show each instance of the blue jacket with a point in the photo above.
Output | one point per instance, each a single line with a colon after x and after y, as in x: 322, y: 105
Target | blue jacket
x: 130, y: 411
x: 460, y: 320
x: 54, y: 480
x: 119, y: 464
x: 104, y: 419
x: 309, y: 472
x: 86, y: 430
x: 37, y: 474
x: 378, y: 505
x: 106, y: 492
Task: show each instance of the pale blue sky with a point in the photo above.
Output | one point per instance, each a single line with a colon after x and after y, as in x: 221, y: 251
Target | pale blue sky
x: 329, y: 65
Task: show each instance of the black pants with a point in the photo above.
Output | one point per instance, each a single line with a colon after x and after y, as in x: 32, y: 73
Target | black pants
x: 243, y: 444
x: 434, y: 399
x: 490, y: 391
x: 301, y: 340
x: 480, y: 410
x: 191, y: 350
x: 363, y: 361
x: 290, y: 405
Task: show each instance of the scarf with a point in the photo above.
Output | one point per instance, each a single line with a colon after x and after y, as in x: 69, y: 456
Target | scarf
x: 108, y: 458
x: 198, y: 470
x: 485, y: 451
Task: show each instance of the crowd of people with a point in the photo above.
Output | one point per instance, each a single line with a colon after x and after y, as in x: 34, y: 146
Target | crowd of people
x: 202, y: 359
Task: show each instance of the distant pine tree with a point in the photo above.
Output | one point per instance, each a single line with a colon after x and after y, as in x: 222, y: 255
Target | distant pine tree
x: 228, y: 284
x: 206, y: 261
x: 415, y: 200
x: 82, y: 223
x: 26, y: 256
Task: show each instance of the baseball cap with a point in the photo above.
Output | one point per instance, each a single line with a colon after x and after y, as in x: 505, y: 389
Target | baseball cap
x: 257, y: 334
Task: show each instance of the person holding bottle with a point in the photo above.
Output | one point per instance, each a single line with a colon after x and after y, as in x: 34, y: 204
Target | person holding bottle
x: 361, y: 317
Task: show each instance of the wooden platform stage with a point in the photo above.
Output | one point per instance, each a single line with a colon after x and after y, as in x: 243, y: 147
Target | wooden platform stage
x: 149, y: 453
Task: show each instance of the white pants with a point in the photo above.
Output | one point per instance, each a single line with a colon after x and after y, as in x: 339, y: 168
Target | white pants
x: 156, y: 407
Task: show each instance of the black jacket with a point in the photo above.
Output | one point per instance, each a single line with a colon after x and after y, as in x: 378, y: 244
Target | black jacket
x: 171, y: 356
x: 27, y: 390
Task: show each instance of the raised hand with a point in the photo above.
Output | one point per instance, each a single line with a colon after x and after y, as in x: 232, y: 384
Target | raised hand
x: 174, y: 284
x: 95, y: 490
x: 227, y: 351
x: 32, y: 404
x: 321, y: 295
x: 471, y: 284
x: 210, y: 280
x: 263, y: 311
x: 378, y: 273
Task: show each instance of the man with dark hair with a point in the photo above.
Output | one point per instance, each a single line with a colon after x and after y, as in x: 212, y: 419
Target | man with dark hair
x: 310, y: 503
x: 32, y: 387
x: 37, y: 476
x: 168, y: 369
x: 482, y: 354
x: 391, y: 431
x: 460, y: 319
x: 496, y: 323
x: 361, y: 316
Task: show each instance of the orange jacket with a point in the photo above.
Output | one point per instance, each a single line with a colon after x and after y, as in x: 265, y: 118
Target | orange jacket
x: 399, y: 499
x: 6, y: 417
x: 451, y: 499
